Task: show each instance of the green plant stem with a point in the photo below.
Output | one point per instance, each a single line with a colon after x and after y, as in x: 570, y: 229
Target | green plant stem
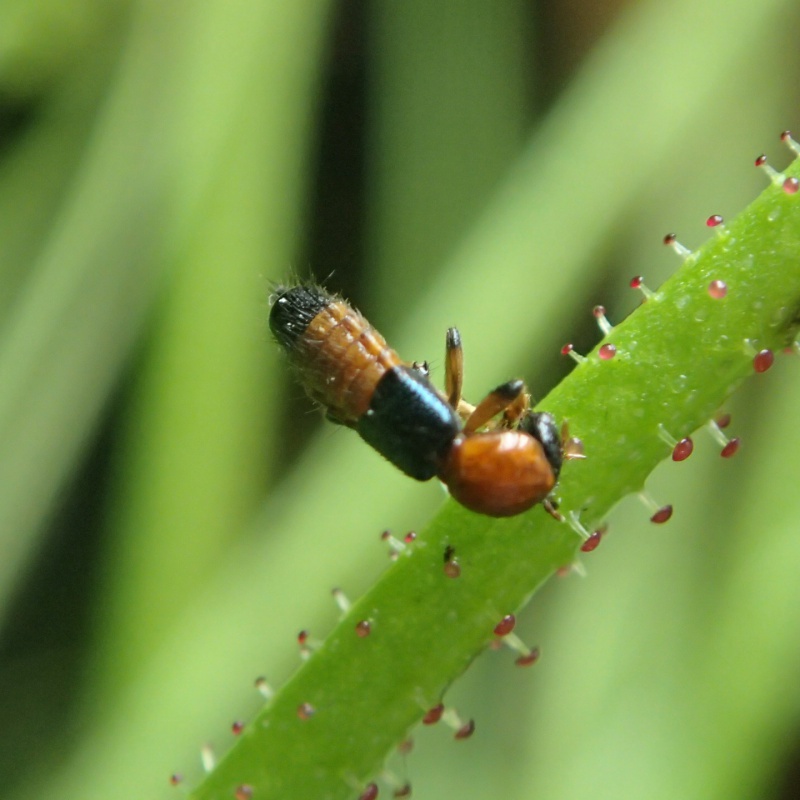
x: 678, y: 357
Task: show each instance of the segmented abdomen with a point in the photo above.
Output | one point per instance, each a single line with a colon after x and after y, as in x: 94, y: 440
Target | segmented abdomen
x: 339, y: 356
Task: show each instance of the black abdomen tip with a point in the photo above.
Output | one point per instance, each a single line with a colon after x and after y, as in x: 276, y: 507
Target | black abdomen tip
x: 292, y: 311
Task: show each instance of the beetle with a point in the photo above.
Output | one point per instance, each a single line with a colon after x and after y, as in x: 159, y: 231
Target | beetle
x: 497, y: 458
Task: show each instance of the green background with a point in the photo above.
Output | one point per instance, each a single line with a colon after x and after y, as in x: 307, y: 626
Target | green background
x: 172, y: 511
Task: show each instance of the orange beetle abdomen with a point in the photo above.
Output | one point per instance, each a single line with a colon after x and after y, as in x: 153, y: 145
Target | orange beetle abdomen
x: 339, y: 356
x: 342, y: 358
x: 499, y: 473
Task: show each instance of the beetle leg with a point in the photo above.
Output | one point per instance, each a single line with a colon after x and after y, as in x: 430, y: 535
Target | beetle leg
x: 552, y: 509
x: 503, y: 397
x: 514, y: 412
x: 453, y: 367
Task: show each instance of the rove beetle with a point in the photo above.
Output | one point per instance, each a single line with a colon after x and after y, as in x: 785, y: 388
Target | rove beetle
x: 499, y: 467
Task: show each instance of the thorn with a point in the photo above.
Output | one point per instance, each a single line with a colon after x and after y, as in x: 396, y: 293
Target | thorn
x: 307, y: 644
x: 395, y: 545
x: 574, y: 521
x: 670, y: 240
x: 775, y: 177
x: 341, y: 600
x: 264, y: 689
x: 602, y: 320
x: 681, y: 450
x: 729, y: 446
x: 569, y: 350
x: 659, y: 513
x: 786, y: 138
x: 525, y: 655
x: 638, y: 283
x: 463, y: 730
x: 595, y: 537
x: 207, y: 758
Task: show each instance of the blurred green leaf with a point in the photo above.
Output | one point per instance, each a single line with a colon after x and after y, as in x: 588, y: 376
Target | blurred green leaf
x: 161, y: 162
